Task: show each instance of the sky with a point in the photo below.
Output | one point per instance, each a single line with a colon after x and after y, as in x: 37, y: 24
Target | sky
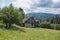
x: 29, y: 6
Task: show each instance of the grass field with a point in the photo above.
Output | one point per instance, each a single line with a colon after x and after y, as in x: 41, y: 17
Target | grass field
x: 29, y: 34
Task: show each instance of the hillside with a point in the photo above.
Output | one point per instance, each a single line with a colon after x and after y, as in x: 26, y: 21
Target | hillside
x: 29, y: 34
x: 42, y: 15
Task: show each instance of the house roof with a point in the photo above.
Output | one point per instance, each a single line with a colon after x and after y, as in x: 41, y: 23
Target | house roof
x: 25, y: 19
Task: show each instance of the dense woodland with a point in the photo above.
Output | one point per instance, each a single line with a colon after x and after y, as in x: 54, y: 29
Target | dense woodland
x: 11, y: 15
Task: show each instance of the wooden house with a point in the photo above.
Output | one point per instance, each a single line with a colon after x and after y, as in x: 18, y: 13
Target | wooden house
x: 29, y: 22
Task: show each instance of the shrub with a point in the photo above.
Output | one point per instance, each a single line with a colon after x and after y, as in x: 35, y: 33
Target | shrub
x: 55, y: 26
x: 45, y: 25
x: 50, y: 26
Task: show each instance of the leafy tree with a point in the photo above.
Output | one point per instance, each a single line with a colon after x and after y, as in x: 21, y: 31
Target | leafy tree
x: 11, y: 15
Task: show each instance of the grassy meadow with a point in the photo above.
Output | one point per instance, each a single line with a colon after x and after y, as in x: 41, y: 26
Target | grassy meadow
x: 29, y: 34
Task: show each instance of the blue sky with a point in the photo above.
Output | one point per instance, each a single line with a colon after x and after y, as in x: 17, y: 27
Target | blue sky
x: 5, y: 2
x: 46, y: 6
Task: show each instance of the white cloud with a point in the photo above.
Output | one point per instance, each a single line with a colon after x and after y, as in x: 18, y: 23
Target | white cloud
x: 26, y: 5
x: 47, y: 10
x: 34, y: 5
x: 55, y: 1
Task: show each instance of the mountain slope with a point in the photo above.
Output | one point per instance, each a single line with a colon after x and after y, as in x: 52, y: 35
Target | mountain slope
x: 42, y: 15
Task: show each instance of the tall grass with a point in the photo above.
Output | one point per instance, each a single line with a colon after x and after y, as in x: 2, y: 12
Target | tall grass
x: 29, y: 34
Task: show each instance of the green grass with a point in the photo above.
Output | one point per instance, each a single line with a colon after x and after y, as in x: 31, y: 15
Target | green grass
x: 29, y: 34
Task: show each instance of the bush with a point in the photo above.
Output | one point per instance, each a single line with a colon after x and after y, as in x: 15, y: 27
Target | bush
x: 50, y: 26
x: 1, y: 24
x: 55, y: 26
x: 45, y: 25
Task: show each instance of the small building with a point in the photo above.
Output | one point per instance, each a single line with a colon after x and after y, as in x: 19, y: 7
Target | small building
x: 29, y: 22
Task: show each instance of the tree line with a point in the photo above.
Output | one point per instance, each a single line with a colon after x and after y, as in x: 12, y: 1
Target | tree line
x: 50, y: 23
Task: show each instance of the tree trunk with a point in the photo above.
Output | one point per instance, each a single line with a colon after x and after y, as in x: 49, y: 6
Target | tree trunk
x: 6, y: 25
x: 9, y: 25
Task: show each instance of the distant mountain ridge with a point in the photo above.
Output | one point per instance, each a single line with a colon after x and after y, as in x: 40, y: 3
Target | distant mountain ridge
x: 42, y: 15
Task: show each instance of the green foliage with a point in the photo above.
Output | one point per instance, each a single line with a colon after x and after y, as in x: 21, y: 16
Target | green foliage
x: 54, y: 20
x: 55, y: 26
x: 45, y: 25
x: 49, y: 25
x: 38, y: 23
x: 11, y: 15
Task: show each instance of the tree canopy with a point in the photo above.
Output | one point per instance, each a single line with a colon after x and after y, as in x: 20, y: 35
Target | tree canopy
x: 11, y: 15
